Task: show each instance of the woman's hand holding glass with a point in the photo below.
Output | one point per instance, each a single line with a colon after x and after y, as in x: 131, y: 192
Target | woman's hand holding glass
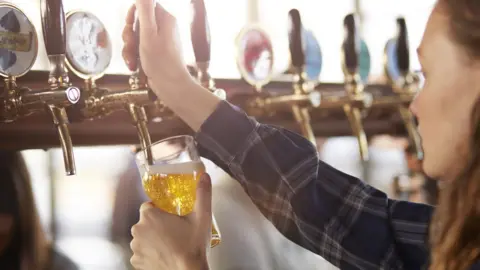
x: 165, y: 241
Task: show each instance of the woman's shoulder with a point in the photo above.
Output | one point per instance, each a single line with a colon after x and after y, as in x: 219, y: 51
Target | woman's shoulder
x: 61, y: 262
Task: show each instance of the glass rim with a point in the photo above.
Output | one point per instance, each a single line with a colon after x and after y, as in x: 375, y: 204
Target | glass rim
x: 141, y: 149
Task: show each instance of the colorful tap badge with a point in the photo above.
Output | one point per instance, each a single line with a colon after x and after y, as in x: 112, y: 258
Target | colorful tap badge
x: 393, y: 72
x: 313, y: 56
x: 364, y: 69
x: 18, y: 41
x: 89, y: 48
x: 256, y: 55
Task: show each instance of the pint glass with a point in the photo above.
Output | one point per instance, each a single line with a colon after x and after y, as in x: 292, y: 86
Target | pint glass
x: 171, y: 181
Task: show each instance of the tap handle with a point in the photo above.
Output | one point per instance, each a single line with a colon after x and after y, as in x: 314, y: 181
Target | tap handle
x: 295, y: 36
x: 136, y: 34
x: 200, y: 31
x: 403, y: 50
x: 53, y: 25
x: 138, y: 78
x: 351, y: 44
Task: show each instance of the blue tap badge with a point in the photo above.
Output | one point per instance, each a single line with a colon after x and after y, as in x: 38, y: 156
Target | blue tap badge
x: 313, y: 56
x: 392, y: 60
x: 364, y: 69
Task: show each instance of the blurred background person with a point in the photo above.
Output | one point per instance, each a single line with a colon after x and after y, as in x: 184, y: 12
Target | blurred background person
x: 23, y: 243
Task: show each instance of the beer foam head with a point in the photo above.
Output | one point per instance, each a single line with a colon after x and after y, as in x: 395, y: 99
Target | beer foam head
x: 176, y: 168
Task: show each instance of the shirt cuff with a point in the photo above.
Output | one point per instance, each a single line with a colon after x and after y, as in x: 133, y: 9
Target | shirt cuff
x: 226, y: 131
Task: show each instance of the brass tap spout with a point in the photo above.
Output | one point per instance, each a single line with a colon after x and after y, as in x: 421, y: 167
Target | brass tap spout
x: 354, y: 85
x: 140, y: 120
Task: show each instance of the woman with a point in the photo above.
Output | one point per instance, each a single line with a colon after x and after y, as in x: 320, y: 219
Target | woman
x: 335, y: 215
x: 23, y: 245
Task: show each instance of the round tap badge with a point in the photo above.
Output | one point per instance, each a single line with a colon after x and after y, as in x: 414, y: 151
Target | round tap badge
x: 255, y: 56
x: 89, y: 48
x: 364, y: 69
x: 18, y: 42
x: 313, y: 57
x: 393, y: 72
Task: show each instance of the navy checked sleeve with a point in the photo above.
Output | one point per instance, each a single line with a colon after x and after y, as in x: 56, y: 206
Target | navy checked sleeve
x: 337, y: 216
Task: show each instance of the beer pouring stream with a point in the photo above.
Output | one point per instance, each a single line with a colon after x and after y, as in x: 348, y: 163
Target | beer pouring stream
x: 60, y: 92
x: 200, y: 37
x: 297, y: 54
x: 353, y: 84
x: 407, y: 85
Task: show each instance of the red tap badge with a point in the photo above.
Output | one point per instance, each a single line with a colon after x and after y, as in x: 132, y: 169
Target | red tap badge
x: 256, y: 47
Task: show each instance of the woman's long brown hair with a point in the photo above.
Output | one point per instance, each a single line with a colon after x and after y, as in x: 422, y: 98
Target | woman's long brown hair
x: 455, y: 229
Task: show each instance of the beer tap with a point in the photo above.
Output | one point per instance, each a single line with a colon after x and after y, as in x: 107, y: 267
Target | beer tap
x: 53, y: 26
x: 20, y: 101
x: 255, y: 62
x: 404, y: 83
x: 359, y: 100
x: 200, y: 34
x: 98, y: 102
x: 300, y: 85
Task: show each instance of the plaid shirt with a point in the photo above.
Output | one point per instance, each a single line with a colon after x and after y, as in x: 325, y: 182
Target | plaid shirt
x: 334, y: 215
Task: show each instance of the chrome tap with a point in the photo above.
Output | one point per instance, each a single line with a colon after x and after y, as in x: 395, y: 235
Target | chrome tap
x: 404, y: 84
x: 99, y: 102
x: 359, y: 101
x: 20, y: 101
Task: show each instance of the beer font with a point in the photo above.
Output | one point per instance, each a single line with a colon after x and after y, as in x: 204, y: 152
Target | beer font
x: 79, y: 42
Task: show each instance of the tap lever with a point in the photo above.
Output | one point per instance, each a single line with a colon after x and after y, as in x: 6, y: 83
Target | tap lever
x: 53, y: 25
x: 138, y: 78
x: 351, y: 48
x: 200, y: 32
x: 351, y: 44
x: 297, y: 51
x: 403, y: 50
x: 200, y: 36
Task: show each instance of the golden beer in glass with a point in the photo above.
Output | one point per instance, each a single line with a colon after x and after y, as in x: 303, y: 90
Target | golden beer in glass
x: 171, y: 181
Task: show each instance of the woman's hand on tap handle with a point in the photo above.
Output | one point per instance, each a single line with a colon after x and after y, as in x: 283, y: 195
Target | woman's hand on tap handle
x: 159, y: 45
x: 162, y: 62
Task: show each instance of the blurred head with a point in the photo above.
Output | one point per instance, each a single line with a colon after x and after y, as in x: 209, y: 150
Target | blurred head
x: 448, y: 113
x: 22, y: 241
x: 413, y: 163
